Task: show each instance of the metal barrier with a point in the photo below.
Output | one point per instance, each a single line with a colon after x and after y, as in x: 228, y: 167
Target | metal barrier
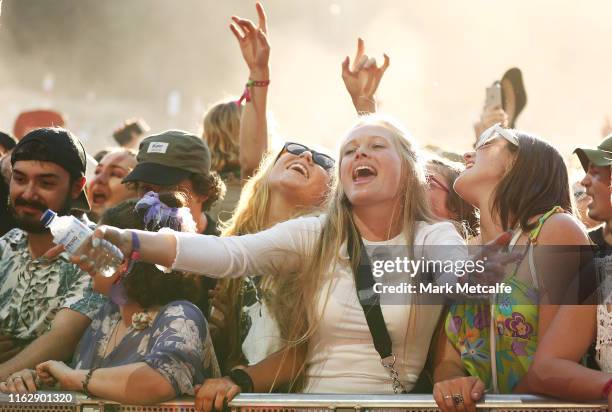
x: 396, y: 403
x: 309, y: 403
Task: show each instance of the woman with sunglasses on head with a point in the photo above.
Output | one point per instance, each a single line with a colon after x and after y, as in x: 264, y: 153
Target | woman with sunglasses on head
x: 519, y: 183
x: 248, y: 318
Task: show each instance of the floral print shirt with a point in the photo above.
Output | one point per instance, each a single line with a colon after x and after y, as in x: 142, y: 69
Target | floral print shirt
x: 32, y: 291
x: 515, y: 329
x: 176, y: 344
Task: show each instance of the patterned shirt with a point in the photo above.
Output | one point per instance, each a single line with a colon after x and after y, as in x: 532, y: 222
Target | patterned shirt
x: 32, y: 291
x: 175, y: 343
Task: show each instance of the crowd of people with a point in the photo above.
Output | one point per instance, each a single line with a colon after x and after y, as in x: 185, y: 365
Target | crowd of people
x: 244, y: 267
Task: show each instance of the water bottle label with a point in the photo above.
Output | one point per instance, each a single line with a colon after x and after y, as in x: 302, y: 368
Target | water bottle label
x: 74, y: 238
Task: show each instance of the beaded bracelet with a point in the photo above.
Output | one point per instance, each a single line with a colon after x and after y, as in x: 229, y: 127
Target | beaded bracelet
x: 86, y: 382
x: 246, y: 95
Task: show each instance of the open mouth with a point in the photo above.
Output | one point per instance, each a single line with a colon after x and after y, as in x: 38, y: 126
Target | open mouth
x: 364, y: 173
x: 299, y: 168
x: 98, y: 197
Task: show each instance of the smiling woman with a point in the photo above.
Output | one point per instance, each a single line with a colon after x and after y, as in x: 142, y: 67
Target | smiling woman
x: 519, y: 183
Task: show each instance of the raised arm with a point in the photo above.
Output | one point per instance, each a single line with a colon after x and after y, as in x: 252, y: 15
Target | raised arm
x: 253, y: 42
x: 362, y: 78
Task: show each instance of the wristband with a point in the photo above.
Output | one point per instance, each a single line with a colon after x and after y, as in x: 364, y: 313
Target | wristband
x: 135, y: 254
x: 607, y: 389
x: 86, y: 382
x: 242, y: 379
x: 246, y: 95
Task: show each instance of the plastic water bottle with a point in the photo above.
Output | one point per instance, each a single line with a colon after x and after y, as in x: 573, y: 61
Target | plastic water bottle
x: 75, y: 235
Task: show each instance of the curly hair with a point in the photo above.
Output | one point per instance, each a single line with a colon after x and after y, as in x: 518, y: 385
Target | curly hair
x: 210, y: 185
x: 146, y: 285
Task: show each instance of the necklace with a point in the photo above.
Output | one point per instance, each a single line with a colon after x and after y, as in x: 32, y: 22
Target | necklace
x: 112, y: 337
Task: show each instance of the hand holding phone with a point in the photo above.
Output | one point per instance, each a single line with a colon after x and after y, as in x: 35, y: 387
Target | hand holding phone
x: 494, y: 95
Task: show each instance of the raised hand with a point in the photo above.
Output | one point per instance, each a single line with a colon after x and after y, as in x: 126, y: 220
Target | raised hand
x: 362, y: 78
x: 253, y: 41
x: 490, y: 115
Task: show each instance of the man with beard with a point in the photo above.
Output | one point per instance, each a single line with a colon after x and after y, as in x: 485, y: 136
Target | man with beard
x: 597, y: 162
x: 45, y: 303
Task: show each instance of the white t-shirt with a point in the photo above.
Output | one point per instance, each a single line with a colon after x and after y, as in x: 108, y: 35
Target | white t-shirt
x: 263, y: 336
x: 341, y: 355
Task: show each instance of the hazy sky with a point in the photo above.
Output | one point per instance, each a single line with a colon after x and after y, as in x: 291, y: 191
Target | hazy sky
x: 100, y: 62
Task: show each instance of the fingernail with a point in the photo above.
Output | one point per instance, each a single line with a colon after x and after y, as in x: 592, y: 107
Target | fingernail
x: 475, y: 395
x: 83, y: 258
x: 95, y: 242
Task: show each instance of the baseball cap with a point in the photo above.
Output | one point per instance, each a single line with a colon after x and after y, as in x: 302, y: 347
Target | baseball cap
x: 597, y: 156
x: 167, y: 158
x: 64, y: 149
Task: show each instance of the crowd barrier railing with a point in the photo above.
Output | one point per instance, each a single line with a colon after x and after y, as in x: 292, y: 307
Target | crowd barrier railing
x: 306, y: 403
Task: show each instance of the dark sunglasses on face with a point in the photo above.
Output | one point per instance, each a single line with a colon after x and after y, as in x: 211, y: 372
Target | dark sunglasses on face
x: 321, y: 159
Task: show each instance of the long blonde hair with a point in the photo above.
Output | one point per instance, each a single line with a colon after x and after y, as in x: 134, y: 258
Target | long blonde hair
x: 340, y: 226
x: 251, y: 216
x: 221, y: 133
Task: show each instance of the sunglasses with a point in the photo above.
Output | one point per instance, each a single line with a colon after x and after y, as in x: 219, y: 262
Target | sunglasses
x: 297, y: 149
x: 494, y: 131
x: 434, y: 181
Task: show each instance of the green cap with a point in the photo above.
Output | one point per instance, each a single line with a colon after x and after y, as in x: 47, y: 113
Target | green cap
x: 170, y: 157
x: 597, y: 156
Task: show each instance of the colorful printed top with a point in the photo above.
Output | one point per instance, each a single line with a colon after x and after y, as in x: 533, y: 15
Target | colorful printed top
x: 175, y: 343
x: 32, y: 291
x: 515, y: 321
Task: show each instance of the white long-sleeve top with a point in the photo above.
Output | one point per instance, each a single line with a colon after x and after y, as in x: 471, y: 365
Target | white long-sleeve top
x: 341, y: 354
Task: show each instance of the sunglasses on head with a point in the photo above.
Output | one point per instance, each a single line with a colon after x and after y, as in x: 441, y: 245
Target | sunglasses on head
x: 321, y: 159
x: 494, y: 131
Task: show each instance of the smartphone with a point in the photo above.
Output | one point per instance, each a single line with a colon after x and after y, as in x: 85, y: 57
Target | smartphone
x: 494, y: 95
